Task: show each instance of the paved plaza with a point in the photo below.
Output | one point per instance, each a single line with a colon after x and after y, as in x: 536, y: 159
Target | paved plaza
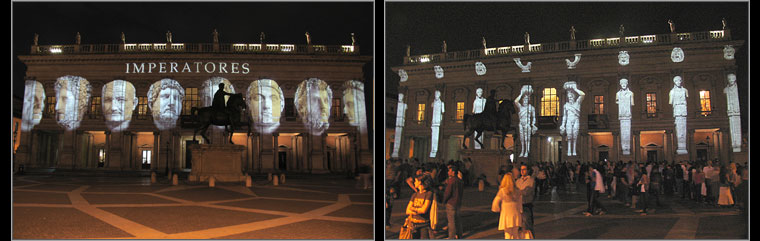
x: 558, y: 215
x: 75, y: 207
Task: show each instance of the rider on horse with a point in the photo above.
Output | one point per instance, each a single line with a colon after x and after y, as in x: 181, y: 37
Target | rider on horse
x: 218, y: 103
x: 489, y: 111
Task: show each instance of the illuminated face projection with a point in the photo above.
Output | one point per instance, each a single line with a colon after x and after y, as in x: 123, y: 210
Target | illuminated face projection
x: 210, y: 87
x: 313, y: 103
x: 73, y: 96
x: 480, y: 68
x: 165, y: 102
x: 353, y: 103
x: 266, y: 102
x: 34, y: 104
x: 119, y: 102
x: 677, y: 55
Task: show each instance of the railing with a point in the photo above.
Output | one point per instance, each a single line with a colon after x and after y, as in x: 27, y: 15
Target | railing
x: 194, y: 48
x: 615, y: 42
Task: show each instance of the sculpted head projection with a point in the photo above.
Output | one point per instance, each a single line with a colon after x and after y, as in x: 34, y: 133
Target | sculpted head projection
x: 73, y: 98
x: 266, y: 102
x: 119, y: 102
x: 313, y: 103
x: 165, y: 102
x: 34, y: 104
x: 353, y: 102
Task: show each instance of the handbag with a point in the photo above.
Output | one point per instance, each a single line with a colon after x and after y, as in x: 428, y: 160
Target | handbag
x: 406, y: 230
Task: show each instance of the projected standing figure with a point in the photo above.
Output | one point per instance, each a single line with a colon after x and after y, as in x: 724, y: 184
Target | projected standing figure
x: 571, y: 116
x: 527, y: 116
x: 678, y: 97
x: 438, y: 110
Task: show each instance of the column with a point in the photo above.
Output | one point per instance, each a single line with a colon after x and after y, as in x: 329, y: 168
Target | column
x: 669, y: 150
x: 275, y: 151
x: 23, y: 153
x: 316, y: 153
x: 692, y: 154
x: 725, y: 143
x: 114, y: 150
x: 615, y: 151
x: 267, y: 153
x: 636, y: 146
x: 154, y: 164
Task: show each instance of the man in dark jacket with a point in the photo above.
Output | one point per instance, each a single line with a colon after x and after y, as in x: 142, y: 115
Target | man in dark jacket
x: 452, y: 197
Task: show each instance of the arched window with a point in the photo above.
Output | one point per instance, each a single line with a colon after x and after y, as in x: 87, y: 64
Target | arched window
x: 550, y: 102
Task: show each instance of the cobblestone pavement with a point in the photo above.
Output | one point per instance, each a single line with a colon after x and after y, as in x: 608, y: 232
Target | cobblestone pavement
x: 307, y: 207
x: 558, y: 215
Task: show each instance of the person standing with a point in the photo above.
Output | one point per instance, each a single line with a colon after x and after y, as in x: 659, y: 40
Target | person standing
x: 420, y: 207
x: 508, y: 203
x: 643, y: 188
x: 527, y: 186
x: 452, y: 197
x: 597, y: 187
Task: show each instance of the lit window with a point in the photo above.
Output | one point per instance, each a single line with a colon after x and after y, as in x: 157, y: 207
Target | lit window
x: 550, y: 102
x: 704, y: 103
x: 95, y: 109
x: 420, y: 113
x: 142, y: 108
x: 460, y: 111
x: 599, y: 104
x: 191, y: 100
x: 49, y: 107
x: 146, y: 157
x: 101, y: 157
x: 651, y: 105
x: 337, y: 111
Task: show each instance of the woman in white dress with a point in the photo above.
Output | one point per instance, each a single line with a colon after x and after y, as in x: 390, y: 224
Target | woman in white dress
x: 508, y: 202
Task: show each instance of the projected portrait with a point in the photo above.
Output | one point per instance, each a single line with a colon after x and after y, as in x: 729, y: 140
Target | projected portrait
x: 266, y: 103
x: 73, y: 97
x: 34, y: 104
x: 119, y: 102
x: 165, y: 102
x: 313, y: 102
x: 353, y: 102
x: 209, y: 88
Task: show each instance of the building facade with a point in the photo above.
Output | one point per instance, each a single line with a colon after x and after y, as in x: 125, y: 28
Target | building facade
x: 651, y: 128
x: 305, y: 103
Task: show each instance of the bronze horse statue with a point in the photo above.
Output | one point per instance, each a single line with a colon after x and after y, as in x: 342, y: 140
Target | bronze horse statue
x: 499, y: 122
x: 207, y: 116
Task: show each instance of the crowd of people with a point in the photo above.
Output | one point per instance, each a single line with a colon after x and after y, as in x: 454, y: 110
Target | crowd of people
x: 632, y: 183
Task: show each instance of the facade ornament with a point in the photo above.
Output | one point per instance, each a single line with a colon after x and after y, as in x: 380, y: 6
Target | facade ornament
x: 353, y: 39
x: 79, y: 38
x: 527, y: 38
x: 36, y: 38
x: 216, y: 36
x: 623, y: 58
x: 308, y: 38
x: 168, y: 37
x: 572, y: 32
x: 571, y: 64
x: 484, y: 43
x: 525, y: 68
x: 624, y: 100
x: 734, y: 112
x: 438, y: 109
x: 408, y: 50
x: 677, y: 55
x: 723, y: 21
x: 480, y: 68
x: 443, y: 47
x: 123, y: 38
x: 672, y: 26
x: 677, y: 98
x: 438, y: 71
x: 571, y: 116
x: 403, y: 75
x: 728, y: 52
x: 621, y: 31
x: 527, y: 115
x: 262, y: 38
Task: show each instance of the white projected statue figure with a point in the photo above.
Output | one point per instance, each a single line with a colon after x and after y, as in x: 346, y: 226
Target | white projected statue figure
x: 571, y: 116
x: 527, y: 116
x: 438, y: 110
x: 734, y: 118
x: 678, y: 97
x: 624, y: 100
x: 400, y: 114
x: 572, y: 64
x: 525, y: 68
x: 477, y: 106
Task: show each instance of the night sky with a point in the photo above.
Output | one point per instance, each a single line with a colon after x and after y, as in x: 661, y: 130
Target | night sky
x: 424, y: 26
x: 193, y: 22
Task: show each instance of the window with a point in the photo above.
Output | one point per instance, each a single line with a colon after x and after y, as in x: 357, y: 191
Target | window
x: 337, y: 111
x: 420, y: 113
x: 550, y: 102
x: 49, y: 107
x: 101, y: 157
x: 651, y: 105
x: 95, y: 109
x: 191, y: 100
x: 704, y: 103
x: 460, y: 112
x: 599, y: 104
x: 142, y: 108
x: 290, y: 113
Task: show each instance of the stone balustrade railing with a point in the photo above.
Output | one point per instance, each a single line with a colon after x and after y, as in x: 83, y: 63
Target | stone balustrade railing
x: 193, y: 48
x: 644, y: 40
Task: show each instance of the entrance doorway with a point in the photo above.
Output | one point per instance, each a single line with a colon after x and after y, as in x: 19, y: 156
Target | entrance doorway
x: 603, y: 155
x: 189, y: 154
x: 282, y: 161
x: 651, y: 156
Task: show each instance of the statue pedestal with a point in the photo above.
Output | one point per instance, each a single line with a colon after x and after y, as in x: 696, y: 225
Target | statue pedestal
x: 486, y: 162
x: 220, y: 161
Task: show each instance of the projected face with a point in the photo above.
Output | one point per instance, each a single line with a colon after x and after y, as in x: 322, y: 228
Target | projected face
x: 438, y: 71
x: 165, y: 102
x: 34, y: 103
x: 313, y: 103
x: 353, y: 102
x: 119, y: 101
x: 72, y: 95
x: 210, y: 87
x: 624, y: 83
x: 266, y: 102
x: 677, y: 80
x: 731, y: 79
x: 480, y: 68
